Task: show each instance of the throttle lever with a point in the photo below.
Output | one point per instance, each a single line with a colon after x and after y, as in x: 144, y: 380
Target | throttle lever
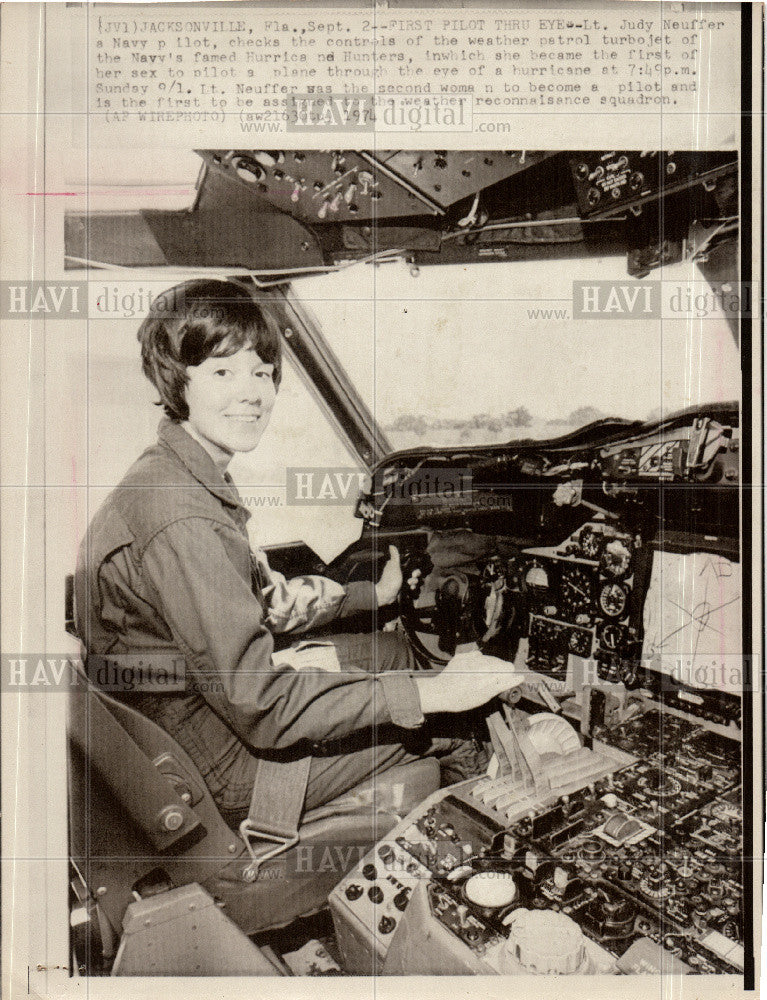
x: 538, y: 684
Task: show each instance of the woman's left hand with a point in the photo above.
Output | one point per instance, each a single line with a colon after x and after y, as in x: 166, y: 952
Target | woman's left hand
x: 388, y: 587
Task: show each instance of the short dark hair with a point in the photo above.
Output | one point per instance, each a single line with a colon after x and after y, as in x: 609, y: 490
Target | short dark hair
x: 197, y: 320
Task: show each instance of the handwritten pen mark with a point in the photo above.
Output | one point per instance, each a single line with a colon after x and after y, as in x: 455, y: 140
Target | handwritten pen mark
x: 696, y: 617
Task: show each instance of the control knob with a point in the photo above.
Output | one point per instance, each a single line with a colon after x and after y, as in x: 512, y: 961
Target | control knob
x: 545, y: 943
x: 613, y: 917
x: 685, y: 869
x: 402, y: 899
x: 386, y: 853
x: 715, y: 890
x: 699, y: 915
x: 655, y: 883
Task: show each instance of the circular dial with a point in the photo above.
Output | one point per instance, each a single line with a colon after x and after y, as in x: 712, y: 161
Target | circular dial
x: 612, y: 635
x: 576, y: 589
x: 613, y: 599
x: 616, y: 558
x: 491, y: 889
x: 590, y: 542
x: 537, y: 581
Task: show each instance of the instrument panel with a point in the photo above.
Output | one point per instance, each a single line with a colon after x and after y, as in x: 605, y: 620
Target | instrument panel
x: 606, y: 183
x: 637, y: 870
x: 579, y: 599
x: 573, y: 598
x: 326, y: 186
x: 574, y: 609
x: 623, y: 855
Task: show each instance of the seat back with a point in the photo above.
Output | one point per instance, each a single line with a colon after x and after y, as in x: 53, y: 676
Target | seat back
x: 143, y: 821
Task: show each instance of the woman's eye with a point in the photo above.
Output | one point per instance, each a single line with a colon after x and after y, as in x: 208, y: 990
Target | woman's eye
x: 221, y: 371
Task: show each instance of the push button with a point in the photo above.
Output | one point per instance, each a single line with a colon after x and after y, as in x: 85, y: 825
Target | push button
x: 375, y: 894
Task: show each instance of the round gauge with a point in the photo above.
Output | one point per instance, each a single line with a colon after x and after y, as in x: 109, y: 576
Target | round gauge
x: 613, y: 599
x: 536, y: 581
x: 616, y: 558
x: 612, y: 635
x: 491, y: 889
x: 590, y: 542
x: 576, y: 589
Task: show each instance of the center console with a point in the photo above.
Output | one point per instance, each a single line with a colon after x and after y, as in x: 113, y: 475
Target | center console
x: 618, y: 852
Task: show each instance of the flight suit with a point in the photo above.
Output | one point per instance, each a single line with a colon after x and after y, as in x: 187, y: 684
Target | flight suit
x: 166, y: 569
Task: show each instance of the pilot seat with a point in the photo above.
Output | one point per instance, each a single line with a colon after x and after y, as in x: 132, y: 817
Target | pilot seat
x: 144, y: 829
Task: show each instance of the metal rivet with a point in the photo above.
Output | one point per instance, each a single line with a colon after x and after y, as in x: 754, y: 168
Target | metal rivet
x: 171, y: 818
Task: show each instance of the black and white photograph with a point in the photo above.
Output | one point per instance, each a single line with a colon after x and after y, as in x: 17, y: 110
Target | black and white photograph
x: 393, y: 515
x: 446, y: 588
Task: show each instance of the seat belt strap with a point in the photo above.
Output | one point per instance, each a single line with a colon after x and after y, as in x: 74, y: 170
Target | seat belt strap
x: 276, y: 807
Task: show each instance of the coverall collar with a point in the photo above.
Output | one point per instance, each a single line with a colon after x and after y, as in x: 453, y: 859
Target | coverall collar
x: 196, y: 459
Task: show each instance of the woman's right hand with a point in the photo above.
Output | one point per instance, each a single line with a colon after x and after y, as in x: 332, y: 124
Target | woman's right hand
x: 469, y: 680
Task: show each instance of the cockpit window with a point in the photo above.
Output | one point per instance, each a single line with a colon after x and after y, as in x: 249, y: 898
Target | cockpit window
x: 487, y: 353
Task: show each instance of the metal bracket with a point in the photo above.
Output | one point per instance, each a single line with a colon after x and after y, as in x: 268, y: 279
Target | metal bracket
x: 248, y: 830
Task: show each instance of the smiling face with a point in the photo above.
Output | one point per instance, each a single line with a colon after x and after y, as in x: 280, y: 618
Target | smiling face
x: 230, y: 401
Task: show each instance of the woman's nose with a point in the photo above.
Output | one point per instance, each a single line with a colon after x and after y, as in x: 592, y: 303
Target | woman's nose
x: 252, y: 389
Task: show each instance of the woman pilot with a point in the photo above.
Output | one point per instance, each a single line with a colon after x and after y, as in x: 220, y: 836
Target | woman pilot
x: 166, y: 569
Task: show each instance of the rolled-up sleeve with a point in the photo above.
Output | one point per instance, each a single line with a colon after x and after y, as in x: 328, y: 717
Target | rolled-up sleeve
x: 360, y: 596
x: 402, y: 699
x: 307, y: 602
x: 219, y: 625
